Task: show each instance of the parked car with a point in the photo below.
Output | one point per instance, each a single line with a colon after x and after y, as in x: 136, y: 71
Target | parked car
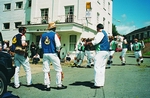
x: 118, y: 49
x: 7, y: 69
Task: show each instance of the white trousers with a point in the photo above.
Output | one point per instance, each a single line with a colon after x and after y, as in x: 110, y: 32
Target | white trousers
x: 51, y: 58
x: 18, y: 61
x: 138, y: 54
x: 110, y: 58
x: 123, y: 53
x: 99, y: 67
x: 89, y: 57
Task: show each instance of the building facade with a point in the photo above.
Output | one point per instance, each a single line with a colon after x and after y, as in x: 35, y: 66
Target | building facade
x: 74, y: 19
x: 141, y: 34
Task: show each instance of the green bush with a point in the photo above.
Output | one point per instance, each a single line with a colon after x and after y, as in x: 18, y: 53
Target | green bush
x: 147, y: 53
x: 147, y: 40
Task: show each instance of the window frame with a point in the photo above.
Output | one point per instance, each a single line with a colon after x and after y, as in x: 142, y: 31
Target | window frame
x: 72, y: 42
x: 44, y: 15
x: 29, y: 3
x: 17, y: 5
x: 6, y: 5
x: 5, y: 27
x: 69, y: 13
x: 17, y: 24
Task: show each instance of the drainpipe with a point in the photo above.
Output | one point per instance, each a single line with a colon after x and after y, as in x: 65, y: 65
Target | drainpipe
x: 78, y: 10
x: 52, y: 9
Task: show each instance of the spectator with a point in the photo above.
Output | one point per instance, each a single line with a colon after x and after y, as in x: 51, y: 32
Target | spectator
x: 32, y: 49
x: 36, y: 58
x: 68, y: 58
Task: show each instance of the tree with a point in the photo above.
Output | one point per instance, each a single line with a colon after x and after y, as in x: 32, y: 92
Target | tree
x: 114, y: 30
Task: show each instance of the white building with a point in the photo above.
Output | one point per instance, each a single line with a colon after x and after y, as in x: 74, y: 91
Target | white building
x: 74, y: 18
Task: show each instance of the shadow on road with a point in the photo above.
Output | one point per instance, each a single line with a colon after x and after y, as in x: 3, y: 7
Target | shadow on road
x: 122, y: 65
x: 83, y: 83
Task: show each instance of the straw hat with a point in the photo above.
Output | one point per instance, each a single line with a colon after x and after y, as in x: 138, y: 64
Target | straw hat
x: 51, y: 25
x: 135, y: 39
x: 5, y: 41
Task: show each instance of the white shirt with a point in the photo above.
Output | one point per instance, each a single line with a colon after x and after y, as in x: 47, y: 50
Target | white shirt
x: 99, y: 36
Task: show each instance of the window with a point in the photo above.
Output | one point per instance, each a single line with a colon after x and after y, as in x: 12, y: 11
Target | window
x: 19, y: 5
x: 104, y: 21
x: 108, y: 28
x: 141, y: 36
x: 98, y: 1
x: 145, y: 34
x: 28, y: 22
x: 17, y: 24
x: 30, y: 2
x: 6, y: 26
x: 44, y: 16
x: 72, y: 40
x: 69, y: 13
x: 7, y: 6
x: 148, y: 34
x: 132, y: 37
x: 109, y: 7
x: 104, y: 4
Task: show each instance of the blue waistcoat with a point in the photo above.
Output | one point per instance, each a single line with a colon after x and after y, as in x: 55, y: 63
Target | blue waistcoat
x: 104, y: 44
x: 16, y: 41
x: 48, y: 42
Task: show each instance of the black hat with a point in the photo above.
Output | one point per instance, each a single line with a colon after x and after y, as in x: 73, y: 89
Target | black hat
x: 100, y: 26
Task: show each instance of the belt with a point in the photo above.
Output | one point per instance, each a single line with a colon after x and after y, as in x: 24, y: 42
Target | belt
x: 19, y: 50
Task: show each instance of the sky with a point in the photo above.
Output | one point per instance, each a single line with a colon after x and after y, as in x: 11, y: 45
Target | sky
x: 129, y: 15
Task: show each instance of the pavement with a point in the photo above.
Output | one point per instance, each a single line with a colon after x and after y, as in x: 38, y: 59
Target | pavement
x: 129, y: 81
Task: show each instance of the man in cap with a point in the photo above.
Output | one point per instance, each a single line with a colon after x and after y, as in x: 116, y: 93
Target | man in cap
x: 50, y: 45
x: 102, y: 46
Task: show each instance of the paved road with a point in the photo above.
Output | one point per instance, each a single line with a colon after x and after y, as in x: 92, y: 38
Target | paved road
x: 129, y: 81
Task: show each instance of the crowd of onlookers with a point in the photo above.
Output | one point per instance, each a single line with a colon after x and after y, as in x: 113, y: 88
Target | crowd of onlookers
x: 35, y: 52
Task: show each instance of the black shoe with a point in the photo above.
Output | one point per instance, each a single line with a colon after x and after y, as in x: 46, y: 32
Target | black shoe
x: 48, y: 89
x: 95, y: 87
x: 62, y: 87
x: 141, y: 61
x: 92, y: 64
x: 75, y: 64
x: 123, y: 64
x: 79, y: 66
x: 30, y: 85
x: 88, y: 66
x: 107, y: 67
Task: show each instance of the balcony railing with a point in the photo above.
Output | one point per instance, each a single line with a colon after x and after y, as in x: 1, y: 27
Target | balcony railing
x: 44, y: 20
x: 62, y: 18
